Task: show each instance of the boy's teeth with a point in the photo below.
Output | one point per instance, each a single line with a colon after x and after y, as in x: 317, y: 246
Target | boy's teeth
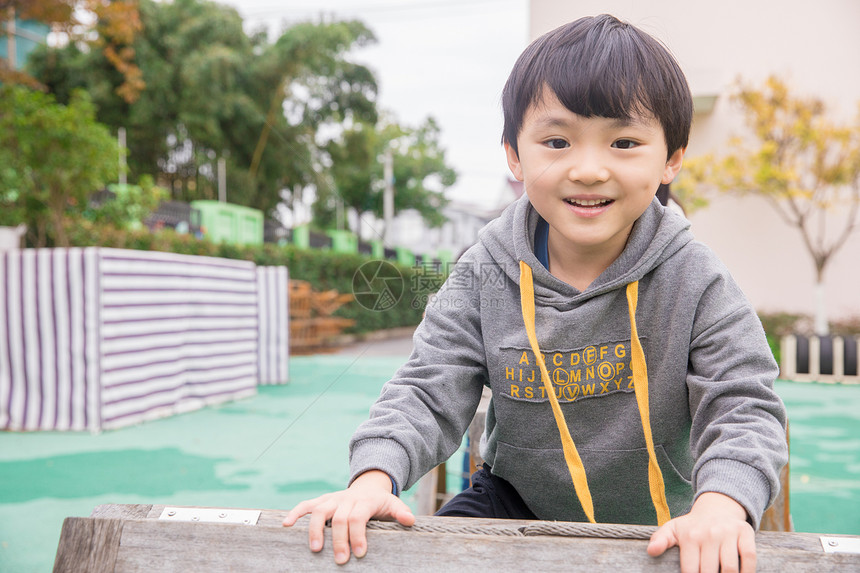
x: 587, y: 202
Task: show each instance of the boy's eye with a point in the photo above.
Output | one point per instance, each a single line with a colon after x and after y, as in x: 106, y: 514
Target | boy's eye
x: 624, y: 144
x: 556, y: 143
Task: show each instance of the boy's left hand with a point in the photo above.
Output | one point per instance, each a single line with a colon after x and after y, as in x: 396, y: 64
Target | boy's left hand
x: 713, y: 537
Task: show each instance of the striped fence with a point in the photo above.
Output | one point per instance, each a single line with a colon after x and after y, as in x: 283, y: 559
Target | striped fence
x: 102, y: 338
x: 820, y: 358
x: 273, y: 327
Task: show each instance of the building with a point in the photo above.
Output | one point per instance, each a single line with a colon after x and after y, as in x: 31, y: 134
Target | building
x: 814, y: 46
x: 20, y: 37
x: 456, y: 235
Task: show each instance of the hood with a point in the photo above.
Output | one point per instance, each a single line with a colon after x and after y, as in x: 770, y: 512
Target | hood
x: 657, y: 235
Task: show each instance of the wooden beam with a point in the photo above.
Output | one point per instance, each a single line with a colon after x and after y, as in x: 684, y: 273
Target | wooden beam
x: 88, y: 545
x: 138, y: 543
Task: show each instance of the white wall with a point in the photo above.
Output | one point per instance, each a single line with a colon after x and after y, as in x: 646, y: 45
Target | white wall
x: 815, y: 47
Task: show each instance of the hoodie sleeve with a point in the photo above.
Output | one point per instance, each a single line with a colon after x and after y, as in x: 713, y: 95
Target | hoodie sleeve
x: 738, y: 421
x: 423, y: 412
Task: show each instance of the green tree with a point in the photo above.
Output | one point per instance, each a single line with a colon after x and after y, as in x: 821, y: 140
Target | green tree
x: 129, y: 206
x: 308, y: 84
x: 804, y: 164
x: 356, y: 174
x: 53, y: 157
x: 420, y: 173
x: 215, y: 93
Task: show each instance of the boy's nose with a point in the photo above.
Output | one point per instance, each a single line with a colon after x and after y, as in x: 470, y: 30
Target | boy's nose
x: 586, y: 167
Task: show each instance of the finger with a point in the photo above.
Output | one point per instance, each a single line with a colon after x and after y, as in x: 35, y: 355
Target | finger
x: 690, y: 553
x: 316, y: 525
x: 340, y: 533
x: 357, y: 523
x: 710, y: 552
x: 729, y: 561
x: 746, y: 550
x: 404, y: 515
x: 300, y: 510
x: 662, y: 539
x: 294, y: 514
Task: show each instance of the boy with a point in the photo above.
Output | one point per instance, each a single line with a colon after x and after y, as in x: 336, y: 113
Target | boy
x: 631, y: 380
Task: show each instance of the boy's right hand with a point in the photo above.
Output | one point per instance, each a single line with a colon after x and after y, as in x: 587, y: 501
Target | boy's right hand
x: 349, y: 511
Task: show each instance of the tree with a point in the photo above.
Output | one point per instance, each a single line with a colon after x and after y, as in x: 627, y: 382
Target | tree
x: 805, y: 165
x: 53, y: 157
x: 420, y: 172
x: 214, y: 92
x: 108, y: 25
x: 268, y: 109
x: 309, y: 86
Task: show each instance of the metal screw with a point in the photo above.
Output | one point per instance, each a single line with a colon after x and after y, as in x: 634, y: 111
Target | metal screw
x: 833, y: 543
x: 195, y: 518
x: 171, y: 513
x: 222, y: 515
x: 246, y: 521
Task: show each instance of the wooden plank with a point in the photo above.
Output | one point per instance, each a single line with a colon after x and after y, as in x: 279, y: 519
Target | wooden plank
x: 431, y: 493
x: 476, y: 429
x: 167, y: 546
x: 426, y: 490
x: 151, y: 546
x: 778, y: 516
x: 148, y: 544
x: 88, y: 545
x: 124, y: 511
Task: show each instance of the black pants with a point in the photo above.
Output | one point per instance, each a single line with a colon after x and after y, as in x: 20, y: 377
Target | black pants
x: 489, y: 496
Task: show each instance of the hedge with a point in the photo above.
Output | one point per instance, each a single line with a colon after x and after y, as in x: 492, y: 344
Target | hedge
x: 325, y: 270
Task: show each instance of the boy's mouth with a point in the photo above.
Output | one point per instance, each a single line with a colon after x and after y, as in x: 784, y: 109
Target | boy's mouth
x: 588, y: 203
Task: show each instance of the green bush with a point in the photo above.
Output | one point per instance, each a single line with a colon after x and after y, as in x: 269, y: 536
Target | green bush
x: 130, y: 205
x: 846, y: 326
x: 325, y: 270
x: 778, y: 324
x: 775, y: 347
x: 781, y: 323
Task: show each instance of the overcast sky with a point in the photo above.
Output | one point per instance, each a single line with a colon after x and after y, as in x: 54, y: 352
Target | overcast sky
x: 443, y: 58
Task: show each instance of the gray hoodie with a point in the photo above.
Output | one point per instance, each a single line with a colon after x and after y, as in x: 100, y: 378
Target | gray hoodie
x: 717, y: 424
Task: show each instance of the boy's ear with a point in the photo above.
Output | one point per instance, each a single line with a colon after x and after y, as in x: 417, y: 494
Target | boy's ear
x: 673, y: 166
x: 514, y: 162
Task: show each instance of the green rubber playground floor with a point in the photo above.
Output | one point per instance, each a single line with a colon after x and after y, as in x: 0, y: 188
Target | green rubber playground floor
x: 289, y: 443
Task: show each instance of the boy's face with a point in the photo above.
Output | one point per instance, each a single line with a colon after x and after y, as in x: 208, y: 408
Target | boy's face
x: 590, y: 178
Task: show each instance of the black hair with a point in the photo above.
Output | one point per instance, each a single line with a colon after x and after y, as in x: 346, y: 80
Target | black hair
x: 600, y: 66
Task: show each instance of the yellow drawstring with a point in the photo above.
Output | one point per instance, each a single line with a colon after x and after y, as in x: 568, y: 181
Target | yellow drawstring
x: 640, y: 386
x: 571, y: 456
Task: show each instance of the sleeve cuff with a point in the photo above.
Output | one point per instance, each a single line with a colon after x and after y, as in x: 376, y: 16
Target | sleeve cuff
x: 381, y: 454
x: 743, y: 483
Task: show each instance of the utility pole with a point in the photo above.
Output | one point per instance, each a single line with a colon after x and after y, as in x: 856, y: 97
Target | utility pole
x: 123, y: 167
x: 339, y: 214
x: 222, y: 180
x: 10, y: 39
x: 388, y: 196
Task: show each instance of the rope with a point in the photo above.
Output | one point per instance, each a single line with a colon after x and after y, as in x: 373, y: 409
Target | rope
x: 440, y: 528
x: 602, y: 530
x: 539, y: 528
